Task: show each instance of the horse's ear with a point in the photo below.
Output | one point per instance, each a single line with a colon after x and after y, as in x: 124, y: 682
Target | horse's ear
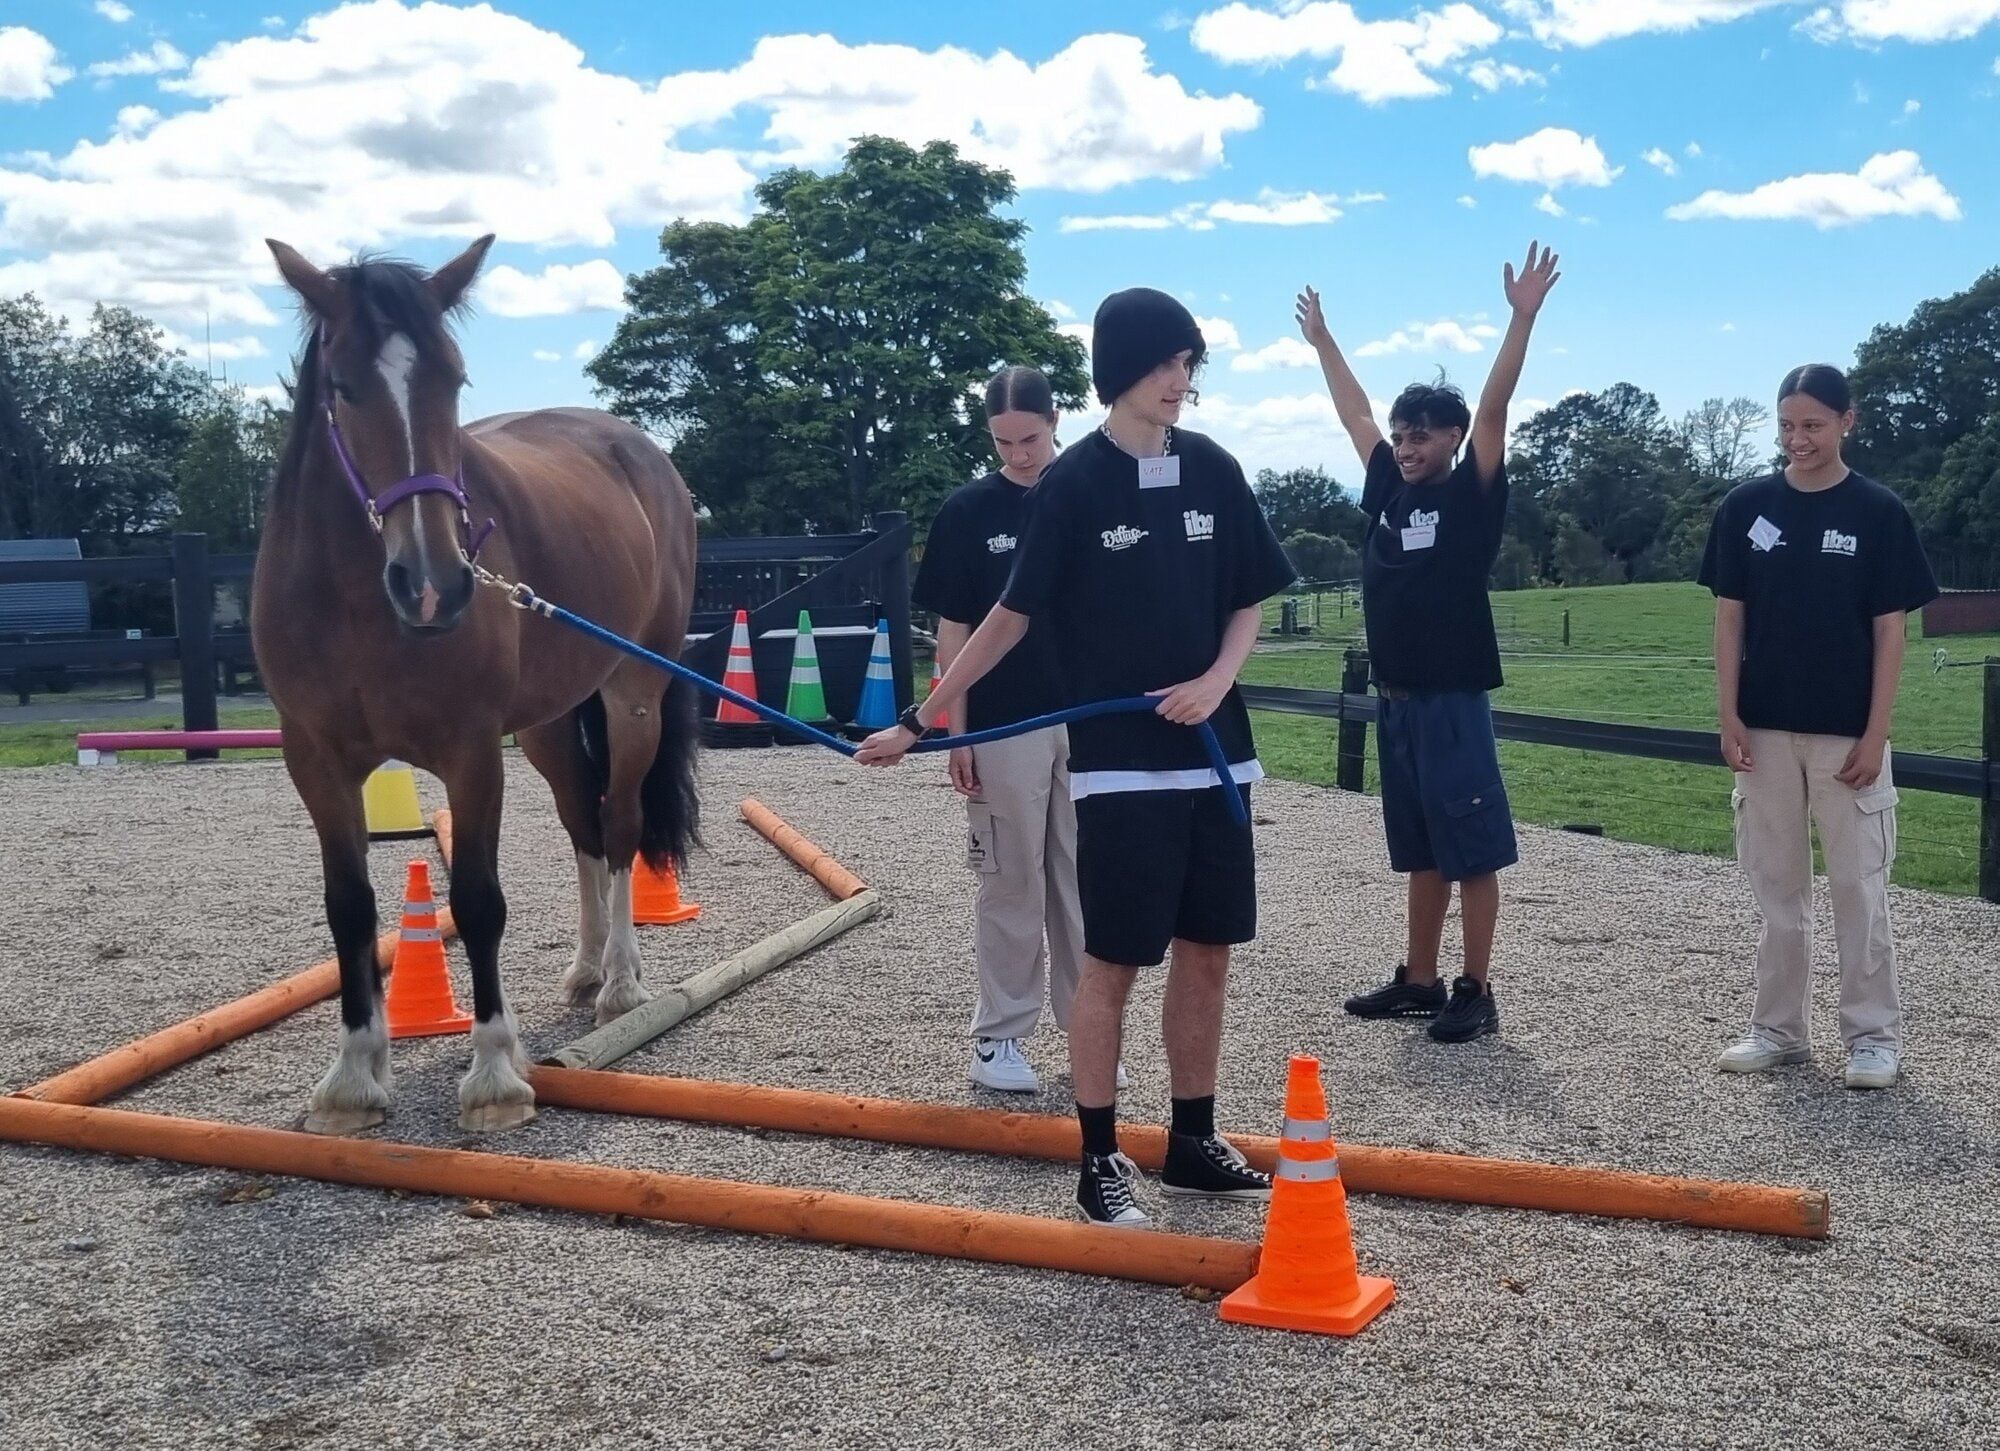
x: 449, y: 282
x: 303, y: 278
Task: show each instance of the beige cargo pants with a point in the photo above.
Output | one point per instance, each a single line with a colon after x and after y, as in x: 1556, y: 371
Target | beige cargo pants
x: 1021, y: 842
x: 1794, y: 780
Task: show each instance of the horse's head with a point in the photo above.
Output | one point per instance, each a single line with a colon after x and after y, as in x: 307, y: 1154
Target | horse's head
x: 387, y: 374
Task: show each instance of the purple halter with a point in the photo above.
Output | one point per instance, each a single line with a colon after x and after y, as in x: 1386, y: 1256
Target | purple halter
x: 377, y: 505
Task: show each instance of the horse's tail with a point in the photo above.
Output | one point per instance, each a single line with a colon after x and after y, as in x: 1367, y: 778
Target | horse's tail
x: 669, y: 801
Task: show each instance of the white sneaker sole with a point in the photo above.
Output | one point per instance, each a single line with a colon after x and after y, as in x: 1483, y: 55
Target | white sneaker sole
x: 1144, y: 1221
x: 1781, y: 1058
x: 1247, y: 1195
x: 1870, y: 1080
x: 998, y: 1085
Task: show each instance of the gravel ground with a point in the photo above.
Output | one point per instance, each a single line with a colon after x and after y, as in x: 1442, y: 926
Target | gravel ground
x: 148, y: 1305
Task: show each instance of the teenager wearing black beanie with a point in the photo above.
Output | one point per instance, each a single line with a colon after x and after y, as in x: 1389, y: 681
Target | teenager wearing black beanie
x: 1149, y: 559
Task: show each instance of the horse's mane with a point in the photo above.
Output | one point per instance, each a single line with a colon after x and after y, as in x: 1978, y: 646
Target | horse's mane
x: 393, y: 296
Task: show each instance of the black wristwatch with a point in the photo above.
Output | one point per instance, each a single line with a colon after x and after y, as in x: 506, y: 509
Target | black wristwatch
x: 909, y: 722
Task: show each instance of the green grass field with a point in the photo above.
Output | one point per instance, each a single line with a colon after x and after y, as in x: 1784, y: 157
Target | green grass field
x: 1640, y: 654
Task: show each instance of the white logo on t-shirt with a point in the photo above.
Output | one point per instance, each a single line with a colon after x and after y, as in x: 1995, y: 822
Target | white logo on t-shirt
x: 1123, y: 537
x: 1835, y: 542
x: 1418, y: 518
x: 1000, y: 543
x: 1198, y: 524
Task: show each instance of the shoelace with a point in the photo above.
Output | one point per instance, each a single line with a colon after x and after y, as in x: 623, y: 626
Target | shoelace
x: 1116, y: 1190
x: 1225, y: 1155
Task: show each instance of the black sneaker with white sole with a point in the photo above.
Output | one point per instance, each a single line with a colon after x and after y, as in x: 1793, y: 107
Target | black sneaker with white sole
x: 1470, y: 1013
x: 1210, y: 1168
x: 1400, y: 998
x: 1104, y: 1192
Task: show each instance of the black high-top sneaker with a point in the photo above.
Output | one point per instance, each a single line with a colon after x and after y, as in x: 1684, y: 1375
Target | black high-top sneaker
x: 1210, y: 1168
x: 1104, y: 1192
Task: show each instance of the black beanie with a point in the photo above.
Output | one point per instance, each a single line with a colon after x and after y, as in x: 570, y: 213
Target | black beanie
x: 1134, y: 332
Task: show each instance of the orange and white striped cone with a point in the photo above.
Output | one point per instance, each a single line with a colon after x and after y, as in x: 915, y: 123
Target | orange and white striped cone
x: 1307, y: 1277
x: 733, y: 725
x: 419, y: 1001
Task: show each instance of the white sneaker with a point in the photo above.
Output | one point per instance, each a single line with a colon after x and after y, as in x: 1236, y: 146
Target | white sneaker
x: 1124, y: 1078
x: 1872, y: 1066
x: 1759, y: 1052
x: 997, y: 1064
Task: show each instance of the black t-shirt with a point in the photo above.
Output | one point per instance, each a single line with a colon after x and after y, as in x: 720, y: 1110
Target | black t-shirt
x: 1138, y: 580
x: 1424, y: 565
x: 1813, y: 570
x: 970, y: 554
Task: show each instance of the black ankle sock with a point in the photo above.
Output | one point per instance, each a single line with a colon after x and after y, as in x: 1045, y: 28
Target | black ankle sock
x: 1100, y: 1129
x: 1195, y: 1116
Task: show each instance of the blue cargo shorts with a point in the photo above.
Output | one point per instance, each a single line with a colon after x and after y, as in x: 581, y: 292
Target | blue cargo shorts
x: 1444, y: 808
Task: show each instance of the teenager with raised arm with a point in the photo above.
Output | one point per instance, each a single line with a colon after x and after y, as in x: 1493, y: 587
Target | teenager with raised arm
x: 1149, y: 558
x: 1436, y: 500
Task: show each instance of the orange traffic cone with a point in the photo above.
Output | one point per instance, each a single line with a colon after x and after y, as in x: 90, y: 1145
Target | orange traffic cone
x: 733, y: 725
x: 656, y: 897
x: 420, y: 1003
x: 937, y: 674
x: 739, y: 676
x: 1307, y: 1278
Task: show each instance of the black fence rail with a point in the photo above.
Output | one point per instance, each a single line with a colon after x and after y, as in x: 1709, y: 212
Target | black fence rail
x: 1352, y: 708
x: 849, y: 580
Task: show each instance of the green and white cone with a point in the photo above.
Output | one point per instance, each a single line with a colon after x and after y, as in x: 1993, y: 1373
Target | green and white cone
x: 805, y: 700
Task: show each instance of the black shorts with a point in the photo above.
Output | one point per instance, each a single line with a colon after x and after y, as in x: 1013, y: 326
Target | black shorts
x: 1155, y: 865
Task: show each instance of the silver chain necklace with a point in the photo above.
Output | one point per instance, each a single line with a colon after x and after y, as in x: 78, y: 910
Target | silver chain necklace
x: 1105, y: 429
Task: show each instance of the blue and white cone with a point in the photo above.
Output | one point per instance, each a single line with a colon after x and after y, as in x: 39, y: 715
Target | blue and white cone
x: 877, y: 710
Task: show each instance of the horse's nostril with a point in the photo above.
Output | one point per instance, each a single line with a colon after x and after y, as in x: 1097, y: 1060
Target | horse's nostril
x: 396, y: 578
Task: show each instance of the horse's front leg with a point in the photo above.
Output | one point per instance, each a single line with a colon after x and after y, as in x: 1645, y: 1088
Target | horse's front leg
x: 494, y: 1094
x: 355, y: 1092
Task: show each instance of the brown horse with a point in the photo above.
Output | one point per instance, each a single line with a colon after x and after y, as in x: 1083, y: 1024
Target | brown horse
x: 377, y: 643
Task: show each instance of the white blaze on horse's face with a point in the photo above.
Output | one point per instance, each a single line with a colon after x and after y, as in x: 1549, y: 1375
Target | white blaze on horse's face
x: 394, y: 362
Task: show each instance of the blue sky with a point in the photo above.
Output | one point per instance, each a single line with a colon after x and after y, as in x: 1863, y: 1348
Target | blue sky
x: 1735, y: 185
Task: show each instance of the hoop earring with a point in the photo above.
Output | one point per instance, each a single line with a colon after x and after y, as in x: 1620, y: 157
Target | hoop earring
x: 1193, y: 397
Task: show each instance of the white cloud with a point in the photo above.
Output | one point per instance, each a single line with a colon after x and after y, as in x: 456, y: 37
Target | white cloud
x: 221, y: 350
x: 274, y: 394
x: 1547, y: 203
x: 1271, y: 209
x: 546, y: 355
x: 161, y: 60
x: 585, y: 350
x: 1922, y: 21
x: 1092, y: 116
x: 1654, y: 156
x: 1284, y: 353
x: 1911, y: 107
x: 1692, y: 151
x: 593, y: 286
x: 112, y: 11
x: 1729, y: 327
x: 29, y: 70
x: 1059, y: 310
x: 1890, y: 184
x: 1220, y: 334
x: 1491, y: 75
x: 1468, y: 202
x: 1592, y: 22
x: 1444, y: 335
x: 1553, y: 157
x: 134, y: 119
x: 1378, y: 60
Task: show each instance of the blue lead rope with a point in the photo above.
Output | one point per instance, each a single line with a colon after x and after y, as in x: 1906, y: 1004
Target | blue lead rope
x: 525, y: 598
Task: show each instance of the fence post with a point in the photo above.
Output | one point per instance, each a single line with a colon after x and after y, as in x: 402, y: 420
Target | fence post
x: 1352, y: 759
x: 1989, y: 804
x: 1565, y: 629
x: 895, y: 594
x: 194, y: 634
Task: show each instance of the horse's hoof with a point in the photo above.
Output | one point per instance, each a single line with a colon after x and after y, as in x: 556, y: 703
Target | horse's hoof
x: 613, y: 1004
x: 580, y: 995
x: 340, y: 1122
x: 492, y: 1118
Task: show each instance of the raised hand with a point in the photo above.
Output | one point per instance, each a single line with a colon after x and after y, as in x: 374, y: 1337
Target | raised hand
x: 1312, y: 322
x: 1526, y: 293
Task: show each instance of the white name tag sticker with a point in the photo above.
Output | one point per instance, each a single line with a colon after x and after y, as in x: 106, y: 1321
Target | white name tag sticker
x: 1160, y: 473
x: 1765, y: 535
x: 1423, y: 536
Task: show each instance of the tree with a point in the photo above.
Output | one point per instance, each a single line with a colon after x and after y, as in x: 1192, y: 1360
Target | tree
x: 1322, y: 559
x: 221, y: 474
x: 1720, y: 438
x: 1921, y: 386
x: 818, y: 363
x: 1958, y: 512
x: 1307, y: 500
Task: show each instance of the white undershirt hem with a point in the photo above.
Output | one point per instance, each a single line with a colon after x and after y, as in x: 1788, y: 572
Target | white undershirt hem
x: 1106, y: 783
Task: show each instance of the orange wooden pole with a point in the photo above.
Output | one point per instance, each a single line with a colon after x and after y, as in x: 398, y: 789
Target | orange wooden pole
x: 1507, y: 1183
x: 839, y: 882
x: 970, y: 1234
x: 114, y: 1072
